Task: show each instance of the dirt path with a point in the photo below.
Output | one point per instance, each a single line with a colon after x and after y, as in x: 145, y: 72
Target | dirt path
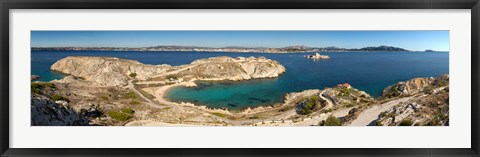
x: 329, y: 103
x: 149, y: 102
x: 371, y: 114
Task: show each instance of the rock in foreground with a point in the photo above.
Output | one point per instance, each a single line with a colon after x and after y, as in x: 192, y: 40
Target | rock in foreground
x: 414, y: 86
x: 45, y: 112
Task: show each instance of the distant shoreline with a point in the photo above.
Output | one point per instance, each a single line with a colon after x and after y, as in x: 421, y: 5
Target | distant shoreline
x: 239, y: 52
x: 238, y: 49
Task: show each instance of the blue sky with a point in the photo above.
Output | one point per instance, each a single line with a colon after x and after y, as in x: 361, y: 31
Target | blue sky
x: 411, y: 40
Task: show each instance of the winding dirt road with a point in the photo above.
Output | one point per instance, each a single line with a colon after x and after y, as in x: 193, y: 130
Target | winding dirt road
x: 149, y: 102
x: 329, y: 102
x: 371, y: 114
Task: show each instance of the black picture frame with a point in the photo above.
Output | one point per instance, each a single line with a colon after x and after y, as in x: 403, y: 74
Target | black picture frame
x: 6, y: 5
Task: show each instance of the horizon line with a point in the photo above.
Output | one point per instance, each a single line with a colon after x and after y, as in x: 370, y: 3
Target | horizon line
x: 258, y: 47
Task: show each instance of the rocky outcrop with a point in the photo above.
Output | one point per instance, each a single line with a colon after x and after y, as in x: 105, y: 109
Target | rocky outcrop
x: 346, y: 96
x: 428, y: 110
x: 108, y: 71
x: 427, y: 103
x: 227, y: 68
x: 34, y: 77
x: 311, y: 101
x: 317, y: 56
x: 45, y: 112
x: 414, y: 86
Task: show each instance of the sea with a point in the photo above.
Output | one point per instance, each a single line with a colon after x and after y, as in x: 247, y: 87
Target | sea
x: 367, y: 71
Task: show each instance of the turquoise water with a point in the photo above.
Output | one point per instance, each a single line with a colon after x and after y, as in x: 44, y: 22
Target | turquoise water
x: 369, y: 71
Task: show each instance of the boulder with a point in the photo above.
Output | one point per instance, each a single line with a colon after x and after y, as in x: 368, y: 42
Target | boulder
x: 45, y: 112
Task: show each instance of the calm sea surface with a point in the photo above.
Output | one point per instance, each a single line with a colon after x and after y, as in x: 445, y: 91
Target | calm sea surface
x: 369, y: 71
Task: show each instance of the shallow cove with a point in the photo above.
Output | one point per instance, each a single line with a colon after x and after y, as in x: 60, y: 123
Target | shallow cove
x: 229, y: 94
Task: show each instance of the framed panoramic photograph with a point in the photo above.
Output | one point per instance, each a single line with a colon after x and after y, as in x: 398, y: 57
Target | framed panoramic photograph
x: 345, y: 78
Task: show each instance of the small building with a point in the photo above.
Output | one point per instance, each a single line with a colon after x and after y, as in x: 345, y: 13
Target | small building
x: 345, y: 85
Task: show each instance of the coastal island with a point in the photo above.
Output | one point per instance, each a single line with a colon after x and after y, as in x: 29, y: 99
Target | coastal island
x: 317, y: 56
x: 113, y: 91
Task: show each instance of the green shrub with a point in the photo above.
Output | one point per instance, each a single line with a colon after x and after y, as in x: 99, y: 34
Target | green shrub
x: 56, y: 97
x: 104, y: 98
x: 406, y: 122
x: 314, y: 98
x: 364, y: 100
x: 308, y: 108
x: 378, y: 123
x: 254, y: 117
x: 428, y: 90
x: 131, y: 95
x: 35, y: 89
x: 327, y: 110
x: 134, y: 102
x: 133, y: 75
x: 37, y: 86
x: 350, y: 105
x: 127, y: 110
x: 120, y: 116
x: 218, y: 114
x: 441, y: 83
x: 382, y: 114
x: 332, y: 121
x: 123, y: 115
x: 345, y: 91
x: 48, y: 84
x: 171, y: 77
x: 312, y: 104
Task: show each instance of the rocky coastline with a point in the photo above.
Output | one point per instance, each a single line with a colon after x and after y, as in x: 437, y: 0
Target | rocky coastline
x: 127, y: 92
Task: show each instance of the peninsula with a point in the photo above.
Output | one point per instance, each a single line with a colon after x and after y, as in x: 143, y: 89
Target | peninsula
x: 113, y: 91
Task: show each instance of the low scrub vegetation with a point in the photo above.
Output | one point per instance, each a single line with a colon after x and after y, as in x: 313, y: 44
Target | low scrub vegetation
x: 104, y: 98
x: 123, y: 115
x: 254, y: 117
x: 344, y: 91
x: 441, y: 83
x: 133, y: 75
x: 378, y: 123
x: 331, y: 121
x: 36, y: 87
x: 218, y: 114
x: 310, y: 105
x: 286, y: 109
x: 57, y: 97
x: 406, y: 122
x: 171, y: 77
x: 428, y: 90
x: 130, y: 95
x: 134, y: 102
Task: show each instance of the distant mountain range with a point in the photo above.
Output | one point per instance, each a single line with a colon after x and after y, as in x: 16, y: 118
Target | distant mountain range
x: 288, y: 49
